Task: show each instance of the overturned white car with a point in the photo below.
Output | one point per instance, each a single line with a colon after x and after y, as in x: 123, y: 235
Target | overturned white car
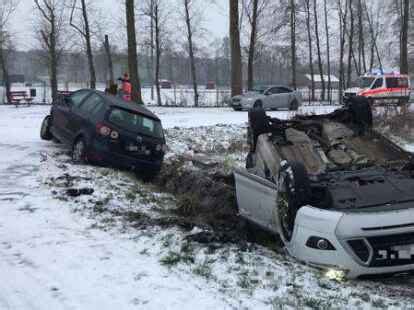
x: 339, y: 194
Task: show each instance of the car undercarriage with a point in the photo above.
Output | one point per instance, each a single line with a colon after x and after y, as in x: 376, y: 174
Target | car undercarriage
x: 316, y: 170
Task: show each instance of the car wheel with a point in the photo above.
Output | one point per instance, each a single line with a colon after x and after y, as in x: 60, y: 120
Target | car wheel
x: 79, y: 154
x: 258, y: 124
x: 258, y: 104
x: 45, y: 133
x: 250, y: 160
x: 294, y: 105
x: 361, y: 112
x: 293, y: 193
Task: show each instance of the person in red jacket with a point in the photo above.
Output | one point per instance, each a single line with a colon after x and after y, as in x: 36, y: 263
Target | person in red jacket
x: 126, y: 87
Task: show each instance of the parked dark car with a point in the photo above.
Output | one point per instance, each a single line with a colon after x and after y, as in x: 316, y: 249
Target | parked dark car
x: 104, y: 129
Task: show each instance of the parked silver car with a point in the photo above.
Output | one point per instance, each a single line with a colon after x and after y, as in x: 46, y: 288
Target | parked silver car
x: 269, y: 97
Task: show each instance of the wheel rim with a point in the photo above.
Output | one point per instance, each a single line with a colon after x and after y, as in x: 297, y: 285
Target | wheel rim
x: 79, y: 151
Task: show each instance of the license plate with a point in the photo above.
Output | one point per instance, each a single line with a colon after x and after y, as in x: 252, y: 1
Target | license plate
x: 404, y: 251
x: 132, y: 148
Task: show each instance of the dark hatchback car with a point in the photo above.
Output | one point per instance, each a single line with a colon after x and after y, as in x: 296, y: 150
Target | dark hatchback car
x: 104, y: 129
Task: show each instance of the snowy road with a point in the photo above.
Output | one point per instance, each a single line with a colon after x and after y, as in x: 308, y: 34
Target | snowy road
x: 56, y: 255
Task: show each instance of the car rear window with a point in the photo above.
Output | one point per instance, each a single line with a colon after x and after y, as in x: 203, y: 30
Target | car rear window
x: 135, y: 122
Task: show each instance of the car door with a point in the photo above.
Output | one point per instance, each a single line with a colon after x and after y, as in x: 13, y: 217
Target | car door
x: 271, y: 98
x: 286, y: 97
x: 83, y: 120
x: 256, y: 200
x: 62, y: 114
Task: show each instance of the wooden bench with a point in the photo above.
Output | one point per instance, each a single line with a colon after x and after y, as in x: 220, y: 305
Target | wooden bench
x: 16, y: 97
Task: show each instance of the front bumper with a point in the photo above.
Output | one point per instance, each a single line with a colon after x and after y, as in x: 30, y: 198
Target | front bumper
x: 382, y: 232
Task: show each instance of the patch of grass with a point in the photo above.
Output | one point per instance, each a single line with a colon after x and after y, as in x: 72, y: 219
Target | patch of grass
x: 171, y: 259
x: 379, y: 303
x: 314, y: 303
x: 203, y: 270
x: 187, y: 204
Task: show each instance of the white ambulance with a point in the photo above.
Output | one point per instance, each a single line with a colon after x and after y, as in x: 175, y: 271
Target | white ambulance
x: 382, y: 88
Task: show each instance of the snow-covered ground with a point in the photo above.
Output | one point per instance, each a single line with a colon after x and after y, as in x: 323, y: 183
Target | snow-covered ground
x: 110, y: 250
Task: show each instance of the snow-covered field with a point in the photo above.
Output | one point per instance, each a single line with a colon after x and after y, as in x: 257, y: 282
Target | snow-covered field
x: 112, y: 248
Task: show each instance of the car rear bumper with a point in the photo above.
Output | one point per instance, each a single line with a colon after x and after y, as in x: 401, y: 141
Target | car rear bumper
x: 342, y: 230
x: 101, y: 153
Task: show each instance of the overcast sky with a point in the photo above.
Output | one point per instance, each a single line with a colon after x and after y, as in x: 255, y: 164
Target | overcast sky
x: 216, y: 21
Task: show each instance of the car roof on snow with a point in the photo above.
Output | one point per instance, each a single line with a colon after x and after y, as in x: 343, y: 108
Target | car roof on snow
x: 120, y: 103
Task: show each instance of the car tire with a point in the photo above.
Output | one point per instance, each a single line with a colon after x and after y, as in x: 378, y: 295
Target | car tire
x: 293, y: 192
x: 79, y: 151
x: 258, y: 124
x: 250, y: 160
x: 45, y: 133
x: 294, y: 105
x: 258, y: 104
x: 361, y: 111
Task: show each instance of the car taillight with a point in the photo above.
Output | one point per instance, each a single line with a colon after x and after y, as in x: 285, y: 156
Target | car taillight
x: 106, y: 131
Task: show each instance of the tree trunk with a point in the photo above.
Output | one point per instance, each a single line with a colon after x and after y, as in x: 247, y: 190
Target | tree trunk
x: 191, y: 51
x: 361, y: 53
x: 92, y: 74
x: 157, y: 53
x: 328, y: 52
x: 5, y: 72
x: 152, y: 49
x: 132, y: 52
x: 109, y: 59
x: 404, y: 37
x: 252, y: 47
x: 350, y: 44
x: 310, y: 47
x: 318, y: 47
x: 342, y: 32
x: 53, y: 58
x: 236, y: 63
x: 293, y: 40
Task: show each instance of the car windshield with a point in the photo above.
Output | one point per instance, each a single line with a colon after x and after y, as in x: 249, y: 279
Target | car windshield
x: 366, y: 82
x: 259, y: 89
x: 135, y: 122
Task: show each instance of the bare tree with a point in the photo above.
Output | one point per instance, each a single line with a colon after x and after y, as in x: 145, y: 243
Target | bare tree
x: 253, y: 16
x: 342, y: 35
x: 132, y: 51
x: 405, y: 17
x: 236, y: 62
x: 310, y: 47
x: 7, y: 8
x: 85, y: 33
x: 188, y: 19
x: 350, y: 42
x: 155, y: 10
x: 51, y: 14
x: 318, y: 48
x: 361, y: 40
x: 328, y: 50
x: 109, y: 59
x: 293, y: 40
